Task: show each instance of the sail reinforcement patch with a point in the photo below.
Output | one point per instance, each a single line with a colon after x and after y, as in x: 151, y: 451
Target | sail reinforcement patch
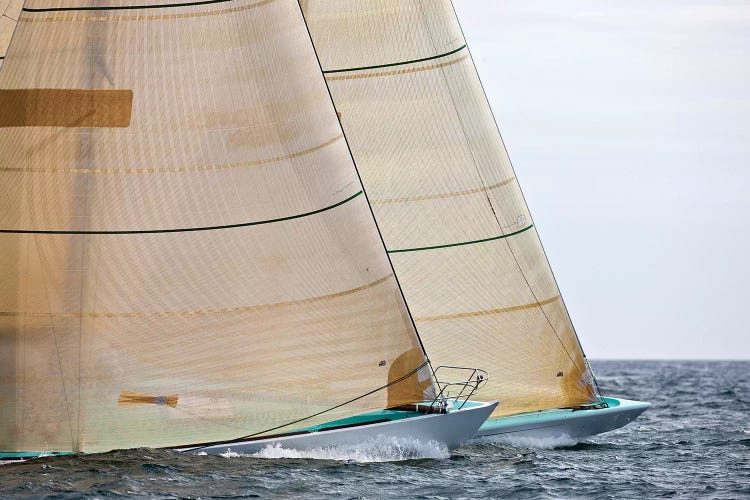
x: 130, y: 398
x: 80, y: 108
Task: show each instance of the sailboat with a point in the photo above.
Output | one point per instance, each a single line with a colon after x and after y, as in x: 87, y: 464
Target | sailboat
x: 188, y: 259
x: 452, y: 214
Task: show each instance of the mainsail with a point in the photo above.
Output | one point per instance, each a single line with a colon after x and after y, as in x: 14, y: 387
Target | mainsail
x: 186, y: 253
x: 447, y: 200
x: 9, y: 12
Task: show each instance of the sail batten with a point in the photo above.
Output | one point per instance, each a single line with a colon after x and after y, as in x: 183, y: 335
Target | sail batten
x: 456, y: 225
x: 444, y: 195
x: 401, y: 63
x: 462, y: 243
x: 399, y: 71
x: 174, y: 170
x: 194, y: 312
x: 184, y: 229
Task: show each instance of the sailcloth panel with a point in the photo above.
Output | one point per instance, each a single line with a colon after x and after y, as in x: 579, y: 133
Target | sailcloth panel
x: 9, y: 12
x: 186, y: 254
x: 446, y: 198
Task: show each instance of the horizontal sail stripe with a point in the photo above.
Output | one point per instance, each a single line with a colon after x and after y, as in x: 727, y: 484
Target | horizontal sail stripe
x: 397, y: 72
x: 200, y: 312
x: 187, y: 229
x: 142, y: 17
x: 126, y: 7
x: 487, y: 312
x: 362, y: 68
x: 202, y: 168
x: 443, y: 195
x: 472, y: 242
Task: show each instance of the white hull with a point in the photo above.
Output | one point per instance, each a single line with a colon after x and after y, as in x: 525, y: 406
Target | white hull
x: 451, y: 429
x: 562, y: 424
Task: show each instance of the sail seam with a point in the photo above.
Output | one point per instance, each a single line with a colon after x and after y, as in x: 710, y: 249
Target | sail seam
x: 184, y: 230
x: 203, y: 168
x: 125, y: 7
x: 472, y: 242
x: 362, y: 68
x: 137, y: 17
x: 398, y: 72
x: 200, y: 312
x: 444, y: 195
x: 488, y: 312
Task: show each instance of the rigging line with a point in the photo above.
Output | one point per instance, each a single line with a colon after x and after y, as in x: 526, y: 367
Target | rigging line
x: 369, y: 205
x: 494, y: 119
x: 54, y: 337
x: 389, y: 384
x: 187, y: 229
x: 362, y: 68
x: 125, y: 7
x: 503, y: 236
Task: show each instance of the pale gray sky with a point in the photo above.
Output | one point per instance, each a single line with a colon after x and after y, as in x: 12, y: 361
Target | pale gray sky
x: 628, y: 123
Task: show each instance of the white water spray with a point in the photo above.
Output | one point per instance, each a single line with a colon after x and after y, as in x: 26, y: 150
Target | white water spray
x: 540, y: 443
x: 377, y: 450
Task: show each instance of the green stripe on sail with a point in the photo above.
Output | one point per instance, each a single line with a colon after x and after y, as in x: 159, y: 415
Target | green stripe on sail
x: 362, y: 68
x: 125, y: 7
x: 187, y: 229
x: 463, y: 242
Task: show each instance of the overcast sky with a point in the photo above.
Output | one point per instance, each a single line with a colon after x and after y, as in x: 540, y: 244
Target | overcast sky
x: 628, y: 124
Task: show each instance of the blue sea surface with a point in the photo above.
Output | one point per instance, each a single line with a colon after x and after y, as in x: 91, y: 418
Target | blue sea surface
x: 693, y: 442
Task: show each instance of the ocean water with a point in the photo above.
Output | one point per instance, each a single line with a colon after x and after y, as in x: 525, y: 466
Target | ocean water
x: 693, y: 442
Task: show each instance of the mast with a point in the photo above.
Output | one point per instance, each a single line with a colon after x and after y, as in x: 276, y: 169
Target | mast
x: 186, y: 252
x: 447, y: 200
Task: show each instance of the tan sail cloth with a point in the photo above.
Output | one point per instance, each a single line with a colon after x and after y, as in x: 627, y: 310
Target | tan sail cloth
x: 9, y: 12
x: 203, y: 270
x: 445, y: 196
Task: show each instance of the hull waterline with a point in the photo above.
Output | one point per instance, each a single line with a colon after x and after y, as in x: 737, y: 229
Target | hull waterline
x: 451, y: 429
x: 562, y: 423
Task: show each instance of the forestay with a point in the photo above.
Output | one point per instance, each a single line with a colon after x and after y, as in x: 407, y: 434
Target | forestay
x: 186, y: 254
x: 446, y: 198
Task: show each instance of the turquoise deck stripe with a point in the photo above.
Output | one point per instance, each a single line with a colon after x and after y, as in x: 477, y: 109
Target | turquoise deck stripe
x: 362, y: 68
x: 462, y: 243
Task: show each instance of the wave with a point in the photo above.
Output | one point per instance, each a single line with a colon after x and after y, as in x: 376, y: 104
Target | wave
x: 541, y: 443
x: 376, y: 450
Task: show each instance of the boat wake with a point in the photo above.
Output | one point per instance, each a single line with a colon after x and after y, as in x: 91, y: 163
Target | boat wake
x: 540, y: 443
x: 376, y: 450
